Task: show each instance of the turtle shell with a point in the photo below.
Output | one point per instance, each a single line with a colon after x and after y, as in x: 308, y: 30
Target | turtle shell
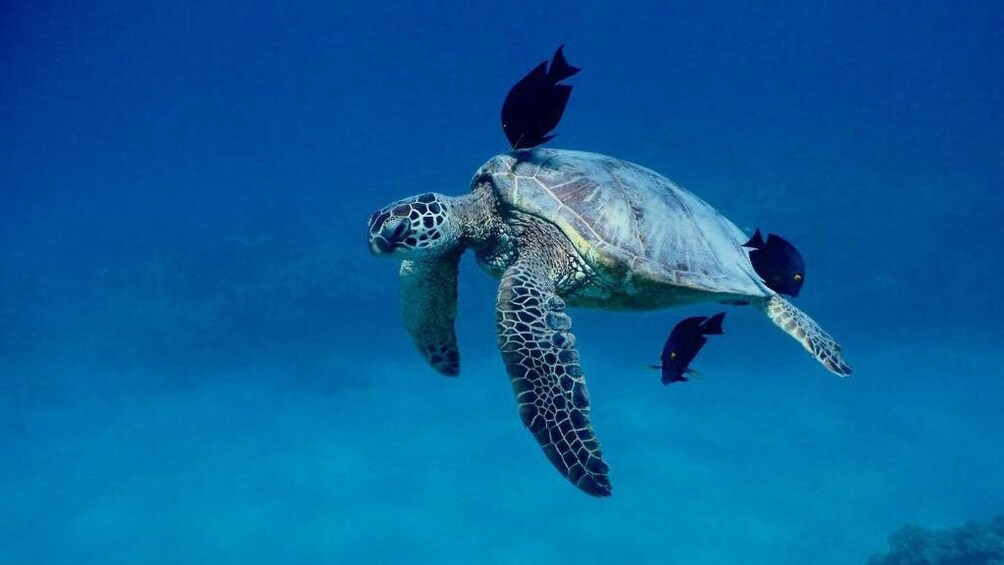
x: 626, y: 221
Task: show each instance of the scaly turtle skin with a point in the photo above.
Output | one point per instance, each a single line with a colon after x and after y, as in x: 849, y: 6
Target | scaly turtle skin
x: 569, y: 228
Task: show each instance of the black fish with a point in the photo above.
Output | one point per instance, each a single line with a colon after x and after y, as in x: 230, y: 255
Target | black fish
x: 777, y: 262
x: 535, y: 104
x: 683, y: 343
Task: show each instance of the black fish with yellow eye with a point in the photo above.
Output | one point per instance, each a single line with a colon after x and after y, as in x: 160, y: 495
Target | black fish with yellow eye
x: 683, y: 343
x: 534, y: 105
x: 778, y: 263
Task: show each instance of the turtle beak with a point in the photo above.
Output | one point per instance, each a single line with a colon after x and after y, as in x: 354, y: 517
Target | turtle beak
x: 379, y: 245
x: 387, y: 237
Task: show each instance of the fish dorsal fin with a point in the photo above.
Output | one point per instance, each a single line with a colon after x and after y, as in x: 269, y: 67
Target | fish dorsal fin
x: 540, y: 71
x: 776, y: 241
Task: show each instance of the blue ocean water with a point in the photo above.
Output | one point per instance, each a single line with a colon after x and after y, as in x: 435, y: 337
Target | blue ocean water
x: 200, y: 362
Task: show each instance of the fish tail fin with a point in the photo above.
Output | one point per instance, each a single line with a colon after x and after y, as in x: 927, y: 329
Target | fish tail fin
x: 560, y: 69
x: 713, y: 325
x: 755, y: 242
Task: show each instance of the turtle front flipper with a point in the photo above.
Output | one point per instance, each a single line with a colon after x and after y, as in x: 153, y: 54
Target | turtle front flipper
x: 538, y: 349
x: 429, y: 307
x: 800, y: 326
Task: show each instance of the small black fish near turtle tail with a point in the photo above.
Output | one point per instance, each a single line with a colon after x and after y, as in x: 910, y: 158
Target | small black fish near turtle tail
x: 683, y: 343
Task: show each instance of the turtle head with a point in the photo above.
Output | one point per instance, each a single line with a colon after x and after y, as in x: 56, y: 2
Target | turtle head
x: 420, y: 226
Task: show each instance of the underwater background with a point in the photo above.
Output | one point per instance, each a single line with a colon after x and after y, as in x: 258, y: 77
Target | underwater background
x: 200, y: 362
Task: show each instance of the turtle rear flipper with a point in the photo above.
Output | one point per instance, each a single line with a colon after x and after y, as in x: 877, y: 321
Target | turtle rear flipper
x: 429, y: 307
x: 538, y: 349
x: 800, y: 326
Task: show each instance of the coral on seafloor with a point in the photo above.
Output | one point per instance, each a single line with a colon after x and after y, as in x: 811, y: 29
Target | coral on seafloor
x: 976, y: 543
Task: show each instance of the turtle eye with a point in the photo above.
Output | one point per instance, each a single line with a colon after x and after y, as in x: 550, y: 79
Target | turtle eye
x: 672, y: 355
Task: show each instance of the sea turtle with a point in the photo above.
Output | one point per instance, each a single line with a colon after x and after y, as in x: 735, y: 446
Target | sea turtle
x: 559, y: 228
